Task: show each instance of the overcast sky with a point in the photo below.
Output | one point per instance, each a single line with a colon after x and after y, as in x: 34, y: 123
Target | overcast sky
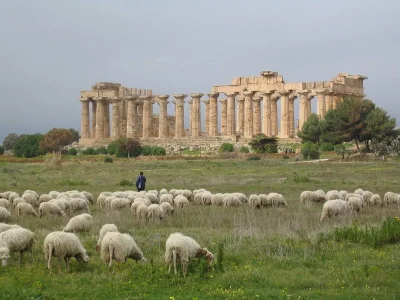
x: 51, y: 50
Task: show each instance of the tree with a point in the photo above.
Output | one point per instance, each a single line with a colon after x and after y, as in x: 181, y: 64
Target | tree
x: 310, y: 150
x: 10, y: 140
x: 311, y: 130
x: 75, y: 134
x: 55, y: 139
x: 332, y: 127
x: 1, y: 150
x: 128, y: 147
x: 28, y: 145
x: 263, y: 144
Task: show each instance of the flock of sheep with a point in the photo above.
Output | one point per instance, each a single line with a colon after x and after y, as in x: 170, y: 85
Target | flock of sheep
x: 152, y: 204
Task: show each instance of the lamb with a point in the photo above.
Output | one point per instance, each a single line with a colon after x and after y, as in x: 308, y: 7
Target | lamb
x: 181, y: 201
x: 4, y: 227
x: 83, y: 222
x: 5, y: 203
x: 355, y: 203
x: 264, y: 200
x: 167, y: 208
x: 231, y: 200
x: 44, y: 198
x: 46, y: 208
x: 24, y: 208
x: 333, y: 208
x: 311, y: 197
x: 276, y: 199
x: 15, y: 240
x: 375, y: 200
x: 77, y: 204
x: 4, y: 214
x: 120, y: 247
x: 217, y: 199
x: 63, y: 245
x: 332, y: 195
x: 142, y: 211
x: 391, y: 198
x: 206, y: 198
x: 104, y: 229
x: 30, y: 198
x: 119, y: 203
x: 166, y: 198
x: 155, y: 212
x: 254, y: 201
x: 184, y: 248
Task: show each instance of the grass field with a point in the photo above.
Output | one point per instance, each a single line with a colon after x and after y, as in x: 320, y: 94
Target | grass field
x: 274, y: 253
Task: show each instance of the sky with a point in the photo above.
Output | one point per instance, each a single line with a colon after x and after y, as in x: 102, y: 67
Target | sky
x: 50, y: 50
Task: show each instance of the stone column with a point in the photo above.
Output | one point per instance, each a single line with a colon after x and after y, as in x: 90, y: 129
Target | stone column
x: 224, y: 115
x: 131, y: 121
x: 163, y: 120
x: 196, y: 125
x: 123, y: 117
x: 336, y: 101
x: 99, y: 118
x: 321, y: 103
x: 107, y: 119
x: 285, y: 123
x: 248, y: 114
x: 116, y: 124
x: 240, y: 115
x: 257, y: 115
x: 266, y: 123
x: 303, y: 115
x: 328, y: 101
x: 85, y: 131
x: 274, y: 114
x: 213, y: 126
x: 190, y: 102
x: 292, y: 129
x: 230, y: 115
x: 93, y: 129
x: 207, y: 117
x: 147, y: 115
x: 179, y: 115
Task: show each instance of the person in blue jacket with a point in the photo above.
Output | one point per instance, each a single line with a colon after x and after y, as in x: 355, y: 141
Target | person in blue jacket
x: 141, y: 182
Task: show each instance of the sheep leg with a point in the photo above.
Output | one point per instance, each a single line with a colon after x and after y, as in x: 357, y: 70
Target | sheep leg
x: 174, y: 260
x: 50, y: 254
x: 184, y: 268
x: 66, y: 262
x: 21, y: 254
x: 110, y: 249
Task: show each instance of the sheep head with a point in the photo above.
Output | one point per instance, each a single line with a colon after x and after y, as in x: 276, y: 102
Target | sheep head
x: 4, y: 255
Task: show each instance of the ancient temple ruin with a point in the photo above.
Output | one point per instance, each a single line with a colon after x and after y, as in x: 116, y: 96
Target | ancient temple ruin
x: 248, y: 106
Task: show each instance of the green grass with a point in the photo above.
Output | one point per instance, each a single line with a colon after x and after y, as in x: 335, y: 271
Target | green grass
x: 267, y: 254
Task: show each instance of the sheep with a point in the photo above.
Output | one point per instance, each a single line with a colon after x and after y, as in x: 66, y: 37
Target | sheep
x: 332, y: 195
x: 155, y: 192
x: 107, y: 194
x: 155, y: 212
x: 231, y: 200
x: 101, y: 200
x: 359, y: 192
x: 46, y: 208
x: 2, y: 196
x: 4, y: 227
x: 276, y: 199
x: 181, y: 201
x: 185, y: 248
x: 264, y: 200
x: 63, y: 245
x: 120, y: 247
x: 375, y: 200
x: 142, y: 200
x: 78, y: 204
x: 30, y: 198
x: 44, y: 198
x: 12, y: 196
x: 391, y: 198
x: 254, y: 201
x: 120, y: 194
x: 206, y: 198
x: 349, y: 195
x: 198, y: 198
x: 15, y: 240
x: 321, y: 192
x: 107, y: 201
x: 163, y: 191
x: 217, y: 199
x: 24, y: 208
x: 83, y: 222
x: 54, y: 194
x: 311, y: 197
x: 167, y: 208
x: 63, y: 204
x: 5, y: 203
x: 4, y: 214
x: 343, y: 194
x: 18, y: 200
x: 367, y: 196
x: 78, y: 195
x: 88, y: 196
x: 355, y: 203
x: 166, y: 198
x: 333, y: 208
x: 32, y: 192
x: 119, y: 203
x: 104, y: 229
x: 188, y: 194
x: 142, y: 211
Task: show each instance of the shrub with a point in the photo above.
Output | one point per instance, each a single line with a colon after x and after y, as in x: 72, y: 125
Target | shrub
x: 53, y: 160
x: 310, y: 150
x: 88, y: 151
x: 128, y: 147
x: 1, y: 150
x: 112, y: 147
x: 56, y: 139
x: 158, y: 151
x: 244, y: 149
x: 125, y: 182
x: 263, y: 144
x: 326, y: 147
x: 226, y: 147
x: 72, y: 151
x: 108, y: 159
x: 101, y: 150
x: 146, y: 150
x: 10, y: 140
x: 340, y: 150
x: 254, y: 158
x: 285, y: 157
x: 28, y: 145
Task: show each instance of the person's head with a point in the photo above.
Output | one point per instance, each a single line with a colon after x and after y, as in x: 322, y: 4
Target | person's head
x: 141, y: 173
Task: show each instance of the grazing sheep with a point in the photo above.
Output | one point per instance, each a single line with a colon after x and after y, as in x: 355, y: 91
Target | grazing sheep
x: 4, y: 227
x: 30, y: 198
x: 4, y: 214
x: 172, y: 192
x: 242, y: 197
x: 120, y: 247
x: 206, y: 198
x: 63, y: 204
x: 355, y: 203
x: 104, y: 229
x: 142, y: 211
x: 163, y: 191
x: 88, y: 196
x: 359, y: 192
x: 188, y: 194
x: 391, y: 198
x: 32, y: 192
x: 2, y: 196
x: 78, y: 204
x: 181, y: 201
x: 142, y: 200
x: 24, y: 208
x: 217, y: 199
x: 155, y: 212
x: 78, y: 195
x: 198, y: 198
x: 254, y: 201
x: 12, y: 196
x: 107, y: 194
x: 184, y: 248
x: 119, y: 203
x: 46, y: 208
x: 332, y: 195
x: 63, y: 245
x: 311, y: 197
x: 5, y: 203
x: 276, y: 199
x: 367, y: 196
x: 167, y: 208
x: 166, y: 198
x: 343, y: 194
x: 18, y: 200
x: 15, y: 240
x: 155, y: 192
x: 101, y: 200
x: 107, y: 201
x: 321, y: 192
x: 349, y: 195
x: 375, y: 200
x: 54, y: 194
x: 44, y: 198
x: 264, y: 200
x: 231, y: 200
x: 120, y: 194
x: 83, y: 222
x: 333, y: 208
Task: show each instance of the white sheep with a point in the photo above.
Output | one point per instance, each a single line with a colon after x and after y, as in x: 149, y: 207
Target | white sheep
x: 24, y: 208
x: 198, y: 198
x: 63, y: 245
x: 155, y: 212
x: 104, y: 229
x: 167, y: 208
x: 333, y: 208
x: 120, y: 247
x: 12, y: 196
x: 184, y: 248
x: 119, y: 194
x: 332, y: 195
x: 311, y: 197
x: 163, y: 191
x: 119, y: 203
x: 30, y: 198
x: 78, y: 204
x: 88, y: 196
x: 343, y: 194
x: 359, y: 192
x: 5, y: 203
x: 46, y: 208
x: 188, y: 194
x: 254, y: 201
x: 231, y: 200
x: 349, y: 195
x: 181, y: 201
x: 367, y: 196
x: 54, y: 194
x: 32, y: 192
x: 217, y: 199
x: 142, y: 211
x: 83, y: 222
x: 45, y: 198
x: 391, y: 198
x: 4, y: 227
x: 321, y: 192
x: 76, y: 194
x: 143, y: 200
x: 63, y: 204
x: 242, y: 197
x: 15, y: 240
x: 4, y: 214
x: 155, y: 192
x: 101, y: 199
x: 107, y: 201
x: 264, y: 200
x: 355, y: 203
x: 276, y: 199
x: 167, y: 198
x: 17, y: 200
x: 206, y: 198
x: 375, y: 200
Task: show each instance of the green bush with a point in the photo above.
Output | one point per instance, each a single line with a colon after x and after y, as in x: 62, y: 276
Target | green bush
x: 340, y: 150
x: 326, y: 147
x: 226, y: 147
x: 146, y: 150
x: 263, y: 144
x: 254, y: 158
x: 88, y: 151
x: 158, y: 151
x: 112, y: 147
x: 28, y: 145
x: 285, y: 157
x: 101, y: 150
x: 244, y: 149
x: 1, y: 150
x: 310, y: 150
x: 125, y: 182
x: 72, y: 151
x: 108, y: 159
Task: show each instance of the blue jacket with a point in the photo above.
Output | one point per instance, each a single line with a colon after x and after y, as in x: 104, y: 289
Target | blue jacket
x: 142, y: 181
